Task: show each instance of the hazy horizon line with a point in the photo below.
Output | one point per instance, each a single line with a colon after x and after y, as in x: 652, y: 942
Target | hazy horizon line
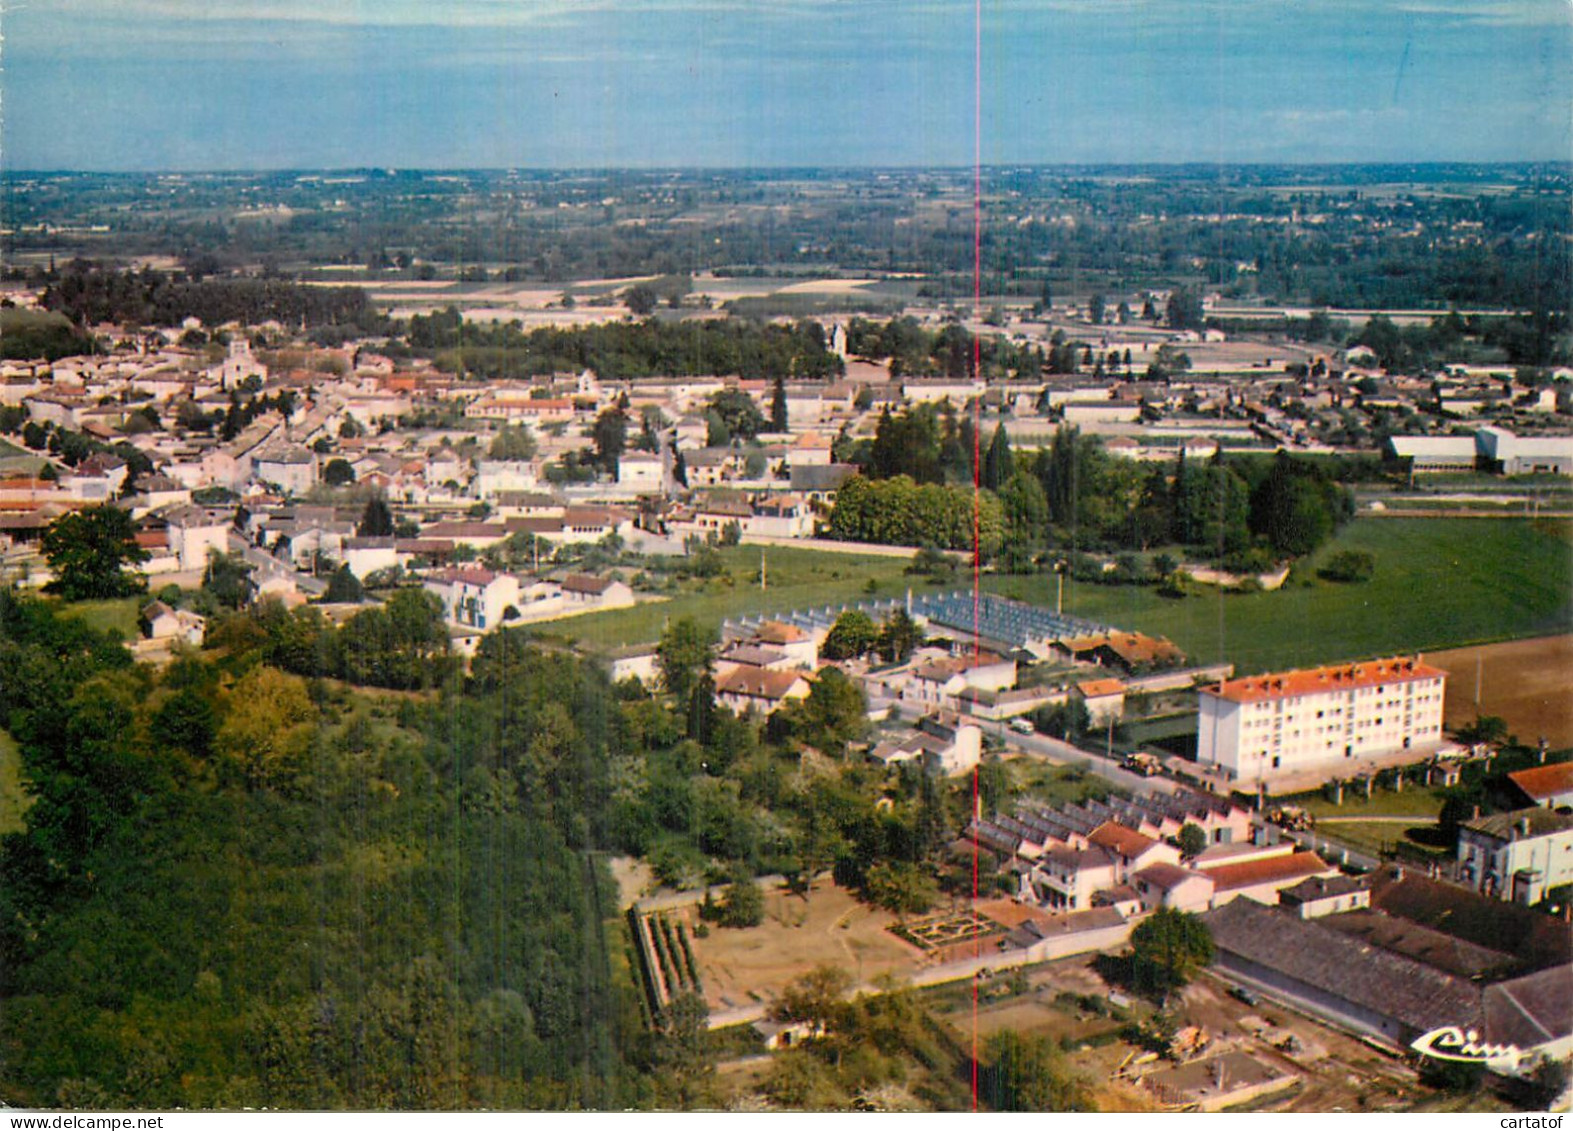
x: 377, y: 167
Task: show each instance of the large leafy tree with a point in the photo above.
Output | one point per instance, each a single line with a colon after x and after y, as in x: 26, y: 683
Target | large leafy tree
x: 1169, y: 947
x: 512, y: 444
x: 90, y: 552
x: 833, y: 713
x: 815, y: 997
x: 1028, y: 1073
x: 901, y: 886
x: 1026, y: 516
x: 1296, y: 507
x: 900, y: 512
x: 998, y: 466
x: 344, y: 588
x: 228, y: 578
x: 854, y: 634
x: 610, y: 436
x: 738, y: 414
x: 376, y: 521
x: 1209, y: 506
x: 899, y: 636
x: 1184, y: 311
x: 684, y: 655
x: 1192, y: 839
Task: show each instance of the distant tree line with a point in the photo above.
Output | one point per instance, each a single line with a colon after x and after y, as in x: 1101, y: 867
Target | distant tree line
x: 1074, y: 496
x: 89, y: 293
x: 902, y: 512
x: 1507, y: 249
x: 622, y: 350
x: 911, y: 350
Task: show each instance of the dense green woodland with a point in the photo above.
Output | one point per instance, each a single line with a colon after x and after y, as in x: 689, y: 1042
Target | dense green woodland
x: 241, y: 888
x: 29, y: 334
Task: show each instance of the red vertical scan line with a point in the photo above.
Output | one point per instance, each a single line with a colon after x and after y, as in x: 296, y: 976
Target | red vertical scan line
x: 977, y: 421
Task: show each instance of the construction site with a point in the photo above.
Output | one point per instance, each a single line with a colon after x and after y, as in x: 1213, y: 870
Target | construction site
x: 1211, y: 1051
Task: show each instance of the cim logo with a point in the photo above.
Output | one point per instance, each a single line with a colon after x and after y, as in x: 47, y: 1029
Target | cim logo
x: 1463, y: 1045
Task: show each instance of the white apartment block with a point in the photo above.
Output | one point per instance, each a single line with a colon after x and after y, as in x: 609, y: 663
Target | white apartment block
x: 1271, y: 726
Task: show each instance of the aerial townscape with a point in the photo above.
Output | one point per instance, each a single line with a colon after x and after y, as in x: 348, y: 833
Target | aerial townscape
x: 776, y: 636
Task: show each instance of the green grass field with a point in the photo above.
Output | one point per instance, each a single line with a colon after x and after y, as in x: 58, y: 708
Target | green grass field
x: 1412, y: 802
x: 797, y: 579
x: 1439, y: 583
x: 119, y: 614
x: 1057, y: 786
x: 13, y: 802
x: 1378, y: 838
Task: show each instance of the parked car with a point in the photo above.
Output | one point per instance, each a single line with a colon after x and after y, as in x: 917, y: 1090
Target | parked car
x: 1142, y: 763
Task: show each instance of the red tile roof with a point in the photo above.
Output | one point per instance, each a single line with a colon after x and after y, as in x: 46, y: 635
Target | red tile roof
x: 774, y: 632
x: 1542, y: 782
x: 1290, y: 869
x: 1333, y: 677
x: 1118, y: 838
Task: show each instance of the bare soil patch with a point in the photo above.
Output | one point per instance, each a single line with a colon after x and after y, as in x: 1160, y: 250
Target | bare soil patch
x: 744, y: 967
x: 1527, y: 682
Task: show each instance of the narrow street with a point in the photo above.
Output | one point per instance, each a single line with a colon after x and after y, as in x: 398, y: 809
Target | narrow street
x: 1057, y: 750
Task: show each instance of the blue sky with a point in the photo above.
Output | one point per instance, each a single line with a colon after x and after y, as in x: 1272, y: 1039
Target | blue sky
x: 221, y: 84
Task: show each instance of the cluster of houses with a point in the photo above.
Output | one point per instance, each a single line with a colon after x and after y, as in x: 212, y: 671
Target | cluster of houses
x: 423, y: 440
x: 359, y: 407
x: 1124, y: 853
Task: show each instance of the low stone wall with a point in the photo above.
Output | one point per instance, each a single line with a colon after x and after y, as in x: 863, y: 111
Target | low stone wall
x: 1046, y: 950
x: 1206, y: 575
x: 831, y: 545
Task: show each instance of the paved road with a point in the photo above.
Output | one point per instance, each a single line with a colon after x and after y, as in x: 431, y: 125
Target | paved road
x: 1042, y: 746
x: 268, y: 566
